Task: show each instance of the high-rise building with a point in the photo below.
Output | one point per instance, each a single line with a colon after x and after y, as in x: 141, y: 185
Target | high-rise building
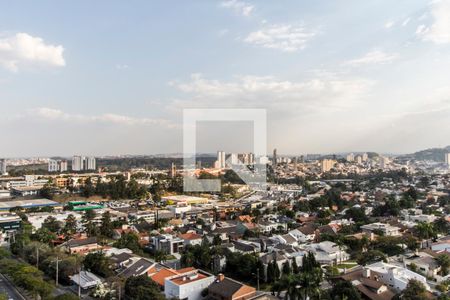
x: 359, y: 159
x: 384, y: 161
x: 350, y: 157
x: 81, y: 163
x: 63, y: 166
x: 220, y: 162
x: 57, y: 165
x: 365, y: 157
x: 247, y: 158
x: 327, y: 164
x: 90, y: 163
x: 295, y: 163
x: 274, y: 159
x: 77, y: 163
x: 173, y: 170
x: 3, y: 167
x: 447, y: 159
x: 53, y: 165
x: 234, y: 159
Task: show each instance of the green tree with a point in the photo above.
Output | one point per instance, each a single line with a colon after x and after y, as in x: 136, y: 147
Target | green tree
x: 344, y: 290
x: 98, y: 263
x: 106, y: 229
x: 425, y: 230
x: 44, y: 235
x: 52, y: 224
x: 130, y: 241
x: 371, y: 256
x: 286, y: 268
x: 68, y: 296
x: 70, y: 226
x: 415, y: 290
x: 142, y: 288
x: 444, y: 262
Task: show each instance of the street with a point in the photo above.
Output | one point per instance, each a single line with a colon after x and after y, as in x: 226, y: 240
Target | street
x: 7, y: 288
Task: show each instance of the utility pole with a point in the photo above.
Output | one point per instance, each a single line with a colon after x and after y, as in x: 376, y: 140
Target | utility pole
x: 79, y: 281
x: 257, y: 278
x: 37, y: 257
x: 57, y: 271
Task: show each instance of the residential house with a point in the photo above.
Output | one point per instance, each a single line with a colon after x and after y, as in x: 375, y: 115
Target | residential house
x: 327, y: 252
x: 81, y: 246
x: 225, y: 288
x: 395, y: 277
x: 385, y: 229
x: 189, y: 285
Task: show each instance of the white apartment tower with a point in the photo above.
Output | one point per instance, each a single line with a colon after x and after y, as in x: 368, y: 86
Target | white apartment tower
x: 57, y: 165
x: 90, y: 163
x: 365, y: 157
x: 53, y: 165
x: 327, y: 164
x: 80, y: 163
x: 447, y: 159
x: 350, y: 157
x: 77, y: 163
x: 220, y: 162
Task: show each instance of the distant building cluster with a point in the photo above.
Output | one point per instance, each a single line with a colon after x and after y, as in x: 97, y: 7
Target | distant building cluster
x: 226, y: 161
x: 3, y: 167
x: 57, y: 165
x: 82, y: 163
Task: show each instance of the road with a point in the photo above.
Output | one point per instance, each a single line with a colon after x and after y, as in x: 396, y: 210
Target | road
x: 7, y: 288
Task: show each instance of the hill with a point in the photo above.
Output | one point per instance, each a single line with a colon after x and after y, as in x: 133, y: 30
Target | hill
x: 434, y: 154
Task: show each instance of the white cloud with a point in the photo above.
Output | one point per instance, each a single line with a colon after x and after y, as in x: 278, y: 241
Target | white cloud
x: 373, y: 57
x: 284, y: 37
x: 439, y: 31
x: 51, y: 114
x: 24, y: 50
x: 389, y: 24
x: 240, y: 7
x: 406, y: 22
x: 122, y: 66
x: 323, y: 93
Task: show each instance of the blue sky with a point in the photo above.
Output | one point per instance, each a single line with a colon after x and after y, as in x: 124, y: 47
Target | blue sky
x: 112, y: 77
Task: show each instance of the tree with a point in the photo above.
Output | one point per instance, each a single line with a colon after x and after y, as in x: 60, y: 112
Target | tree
x: 68, y: 296
x: 425, y: 230
x: 271, y: 272
x: 142, y: 288
x: 90, y: 227
x: 371, y: 256
x: 70, y: 227
x: 286, y: 269
x: 444, y: 261
x: 98, y: 263
x: 217, y: 240
x: 130, y: 241
x: 310, y: 276
x: 442, y: 226
x: 290, y: 284
x: 44, y: 235
x: 344, y: 290
x: 415, y: 290
x: 52, y: 224
x: 106, y: 229
x: 358, y: 215
x: 295, y: 268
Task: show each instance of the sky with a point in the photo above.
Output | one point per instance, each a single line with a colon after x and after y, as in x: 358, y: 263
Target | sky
x: 113, y: 77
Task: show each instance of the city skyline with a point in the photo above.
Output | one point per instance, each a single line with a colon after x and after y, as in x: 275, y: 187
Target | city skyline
x: 333, y: 79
